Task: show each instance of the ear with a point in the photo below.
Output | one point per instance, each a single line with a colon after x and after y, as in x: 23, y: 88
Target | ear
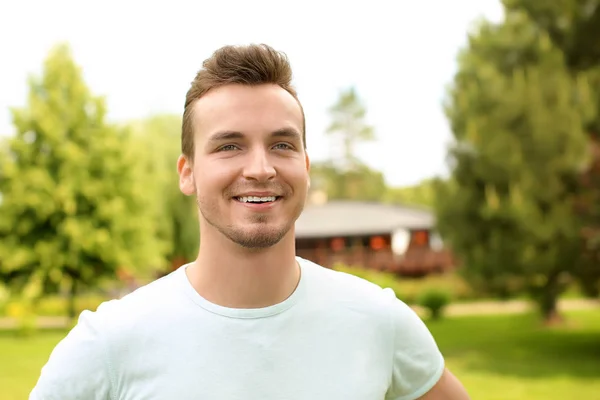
x: 187, y: 184
x: 307, y: 161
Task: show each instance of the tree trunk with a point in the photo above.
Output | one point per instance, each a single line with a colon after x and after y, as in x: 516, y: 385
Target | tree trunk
x: 71, y: 301
x: 549, y: 308
x: 548, y: 301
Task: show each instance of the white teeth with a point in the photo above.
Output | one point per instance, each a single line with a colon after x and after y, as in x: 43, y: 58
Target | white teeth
x: 254, y: 199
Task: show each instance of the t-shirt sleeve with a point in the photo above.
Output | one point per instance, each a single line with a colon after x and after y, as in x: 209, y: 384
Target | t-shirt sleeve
x: 78, y: 366
x: 417, y: 363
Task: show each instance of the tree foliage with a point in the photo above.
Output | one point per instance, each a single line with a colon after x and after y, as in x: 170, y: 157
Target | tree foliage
x: 175, y: 215
x: 519, y: 116
x: 75, y: 206
x: 421, y: 194
x: 360, y: 183
x: 344, y: 176
x: 574, y: 28
x: 572, y: 25
x: 349, y: 127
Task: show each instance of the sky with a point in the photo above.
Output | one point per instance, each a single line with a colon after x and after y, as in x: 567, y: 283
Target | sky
x: 142, y: 55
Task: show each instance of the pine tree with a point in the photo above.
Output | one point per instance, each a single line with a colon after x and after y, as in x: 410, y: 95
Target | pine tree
x: 518, y: 117
x: 348, y: 127
x: 574, y: 27
x: 344, y: 175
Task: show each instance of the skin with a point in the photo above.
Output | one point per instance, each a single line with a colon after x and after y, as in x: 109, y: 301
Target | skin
x: 447, y: 388
x: 248, y: 141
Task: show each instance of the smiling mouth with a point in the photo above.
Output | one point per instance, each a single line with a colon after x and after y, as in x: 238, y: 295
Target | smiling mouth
x: 257, y: 200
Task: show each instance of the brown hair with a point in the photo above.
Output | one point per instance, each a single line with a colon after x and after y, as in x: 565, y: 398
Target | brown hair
x: 249, y: 65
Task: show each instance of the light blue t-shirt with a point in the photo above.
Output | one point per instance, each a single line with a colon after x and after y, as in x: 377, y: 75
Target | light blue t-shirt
x: 336, y: 337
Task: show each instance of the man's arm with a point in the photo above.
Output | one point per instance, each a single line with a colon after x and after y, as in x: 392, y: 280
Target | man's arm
x: 418, y: 367
x: 447, y: 388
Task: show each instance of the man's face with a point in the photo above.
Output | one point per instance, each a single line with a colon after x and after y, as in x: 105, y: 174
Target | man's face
x: 250, y: 169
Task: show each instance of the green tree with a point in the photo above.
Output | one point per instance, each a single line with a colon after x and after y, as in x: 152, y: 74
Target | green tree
x: 574, y: 28
x: 158, y: 138
x: 348, y: 127
x: 572, y: 25
x: 75, y: 206
x: 360, y: 183
x: 421, y: 194
x: 344, y: 176
x: 518, y: 116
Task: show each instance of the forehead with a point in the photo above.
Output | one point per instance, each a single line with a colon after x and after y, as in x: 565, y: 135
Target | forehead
x: 248, y: 109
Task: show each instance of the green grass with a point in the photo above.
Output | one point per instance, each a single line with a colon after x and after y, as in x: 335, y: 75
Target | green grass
x: 22, y: 359
x: 509, y: 357
x: 514, y: 357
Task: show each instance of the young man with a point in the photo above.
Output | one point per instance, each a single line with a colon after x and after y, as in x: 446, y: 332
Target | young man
x: 248, y: 319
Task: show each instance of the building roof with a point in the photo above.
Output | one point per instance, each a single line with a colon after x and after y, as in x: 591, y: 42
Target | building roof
x: 349, y: 218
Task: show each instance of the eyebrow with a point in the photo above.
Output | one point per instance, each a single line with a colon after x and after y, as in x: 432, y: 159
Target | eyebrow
x: 290, y: 133
x: 233, y: 135
x: 225, y: 135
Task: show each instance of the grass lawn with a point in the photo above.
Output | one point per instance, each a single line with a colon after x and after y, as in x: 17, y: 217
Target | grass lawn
x: 513, y: 357
x: 508, y: 357
x: 21, y: 360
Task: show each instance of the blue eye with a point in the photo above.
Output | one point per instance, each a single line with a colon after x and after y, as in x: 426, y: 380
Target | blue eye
x: 227, y: 147
x: 283, y: 146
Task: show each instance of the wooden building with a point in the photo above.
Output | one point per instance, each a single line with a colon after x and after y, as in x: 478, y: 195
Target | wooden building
x: 384, y: 237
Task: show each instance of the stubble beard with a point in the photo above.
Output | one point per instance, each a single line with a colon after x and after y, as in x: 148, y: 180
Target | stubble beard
x: 260, y: 236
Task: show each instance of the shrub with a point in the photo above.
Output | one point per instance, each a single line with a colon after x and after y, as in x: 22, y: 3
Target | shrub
x: 450, y: 282
x: 409, y: 290
x: 51, y: 306
x: 24, y: 315
x: 4, y: 297
x: 380, y: 278
x: 435, y: 301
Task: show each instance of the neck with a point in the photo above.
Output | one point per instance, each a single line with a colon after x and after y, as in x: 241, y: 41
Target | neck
x: 232, y: 276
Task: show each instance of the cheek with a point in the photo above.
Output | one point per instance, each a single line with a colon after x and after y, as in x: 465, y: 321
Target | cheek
x: 213, y: 179
x: 296, y: 176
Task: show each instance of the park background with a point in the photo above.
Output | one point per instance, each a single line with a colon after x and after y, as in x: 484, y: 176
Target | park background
x: 485, y: 112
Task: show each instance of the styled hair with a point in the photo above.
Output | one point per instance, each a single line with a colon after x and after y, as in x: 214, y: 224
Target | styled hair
x: 248, y: 65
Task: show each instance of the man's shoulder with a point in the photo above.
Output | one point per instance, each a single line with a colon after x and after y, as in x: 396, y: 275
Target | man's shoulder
x: 337, y: 286
x: 100, y: 337
x: 145, y: 302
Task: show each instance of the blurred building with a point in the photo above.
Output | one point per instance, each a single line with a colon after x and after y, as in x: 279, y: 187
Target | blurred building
x: 379, y: 236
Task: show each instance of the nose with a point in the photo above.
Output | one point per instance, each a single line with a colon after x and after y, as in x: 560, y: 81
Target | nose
x: 259, y: 166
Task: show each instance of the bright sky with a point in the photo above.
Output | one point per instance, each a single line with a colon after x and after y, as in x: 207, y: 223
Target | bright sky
x: 142, y: 55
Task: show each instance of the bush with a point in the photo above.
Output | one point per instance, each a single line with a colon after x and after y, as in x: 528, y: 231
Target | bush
x: 52, y: 306
x: 451, y: 283
x: 382, y: 279
x: 435, y: 301
x: 409, y: 290
x: 4, y: 298
x: 23, y: 313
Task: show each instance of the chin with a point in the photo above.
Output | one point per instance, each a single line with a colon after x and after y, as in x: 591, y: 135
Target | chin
x: 259, y: 237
